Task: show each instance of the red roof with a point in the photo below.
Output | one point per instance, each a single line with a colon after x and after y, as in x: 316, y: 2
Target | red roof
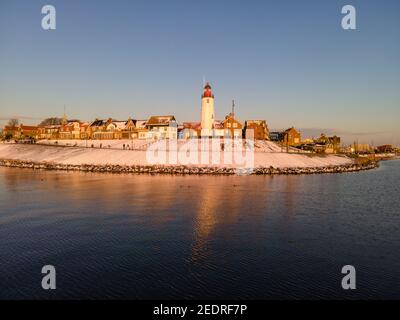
x: 218, y: 124
x: 192, y: 125
x: 160, y: 120
x: 28, y: 127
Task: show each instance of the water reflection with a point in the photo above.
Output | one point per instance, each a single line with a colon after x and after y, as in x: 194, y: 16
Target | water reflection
x: 199, y: 236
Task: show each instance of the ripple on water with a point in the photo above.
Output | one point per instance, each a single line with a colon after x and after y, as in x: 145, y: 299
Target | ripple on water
x: 249, y: 237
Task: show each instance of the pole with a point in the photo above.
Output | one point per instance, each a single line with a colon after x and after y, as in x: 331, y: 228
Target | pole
x: 232, y: 118
x: 287, y: 142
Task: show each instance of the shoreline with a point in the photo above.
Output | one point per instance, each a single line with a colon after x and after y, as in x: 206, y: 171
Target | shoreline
x: 185, y: 170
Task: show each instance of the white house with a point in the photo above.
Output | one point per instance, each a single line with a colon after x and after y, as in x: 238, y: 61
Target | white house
x: 162, y: 127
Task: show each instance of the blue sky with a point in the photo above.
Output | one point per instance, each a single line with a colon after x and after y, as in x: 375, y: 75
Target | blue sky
x: 288, y: 62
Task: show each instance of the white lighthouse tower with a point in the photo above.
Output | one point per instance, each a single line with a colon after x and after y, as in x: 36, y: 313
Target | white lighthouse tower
x: 207, y: 112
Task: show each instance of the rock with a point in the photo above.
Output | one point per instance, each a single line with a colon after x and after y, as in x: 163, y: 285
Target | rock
x: 187, y: 170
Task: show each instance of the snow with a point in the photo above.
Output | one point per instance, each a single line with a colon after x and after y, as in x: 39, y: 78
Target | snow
x: 74, y: 152
x: 134, y: 144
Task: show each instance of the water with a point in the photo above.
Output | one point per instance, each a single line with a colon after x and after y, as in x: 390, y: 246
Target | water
x: 249, y: 237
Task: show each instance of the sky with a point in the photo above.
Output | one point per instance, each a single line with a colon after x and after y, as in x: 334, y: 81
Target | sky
x: 288, y: 62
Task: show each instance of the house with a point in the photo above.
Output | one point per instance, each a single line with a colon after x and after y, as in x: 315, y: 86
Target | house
x: 96, y: 128
x: 141, y: 132
x: 162, y: 127
x: 22, y: 131
x: 65, y: 131
x: 129, y: 130
x: 49, y: 132
x: 323, y: 144
x: 387, y: 148
x: 83, y: 130
x: 190, y: 130
x: 116, y: 129
x: 218, y: 130
x: 11, y: 131
x: 328, y: 144
x: 232, y: 127
x: 276, y: 136
x: 113, y: 129
x: 227, y: 128
x: 291, y: 137
x: 144, y: 134
x: 257, y: 129
x: 70, y: 129
x: 28, y: 131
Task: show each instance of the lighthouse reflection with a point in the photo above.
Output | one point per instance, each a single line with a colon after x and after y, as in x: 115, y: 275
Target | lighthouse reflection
x: 221, y: 205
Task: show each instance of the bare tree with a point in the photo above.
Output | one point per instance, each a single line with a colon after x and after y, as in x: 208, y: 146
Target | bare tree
x: 13, y: 123
x: 51, y: 121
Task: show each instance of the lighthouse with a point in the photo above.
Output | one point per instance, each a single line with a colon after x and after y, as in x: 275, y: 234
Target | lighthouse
x: 207, y: 112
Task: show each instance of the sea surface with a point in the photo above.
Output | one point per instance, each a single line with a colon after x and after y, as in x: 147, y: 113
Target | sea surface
x: 115, y: 236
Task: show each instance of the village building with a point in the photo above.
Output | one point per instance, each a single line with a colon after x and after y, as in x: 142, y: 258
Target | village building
x: 28, y: 131
x: 327, y: 144
x: 11, y: 131
x: 323, y: 144
x: 21, y: 131
x: 115, y: 129
x: 291, y: 137
x: 83, y: 128
x: 387, y: 148
x: 141, y: 132
x: 218, y: 130
x: 112, y: 129
x: 276, y: 136
x: 97, y: 129
x: 257, y: 129
x: 49, y: 132
x: 70, y: 129
x: 232, y: 127
x: 129, y: 130
x: 162, y: 127
x: 190, y: 130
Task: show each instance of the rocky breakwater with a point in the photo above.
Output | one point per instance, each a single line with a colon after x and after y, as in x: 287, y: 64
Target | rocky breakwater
x: 178, y: 170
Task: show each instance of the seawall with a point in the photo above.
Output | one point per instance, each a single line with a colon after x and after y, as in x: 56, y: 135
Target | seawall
x: 178, y: 170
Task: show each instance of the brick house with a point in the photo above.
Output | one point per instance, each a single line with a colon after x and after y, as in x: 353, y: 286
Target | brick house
x: 22, y: 131
x: 257, y: 129
x: 232, y: 127
x: 291, y: 137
